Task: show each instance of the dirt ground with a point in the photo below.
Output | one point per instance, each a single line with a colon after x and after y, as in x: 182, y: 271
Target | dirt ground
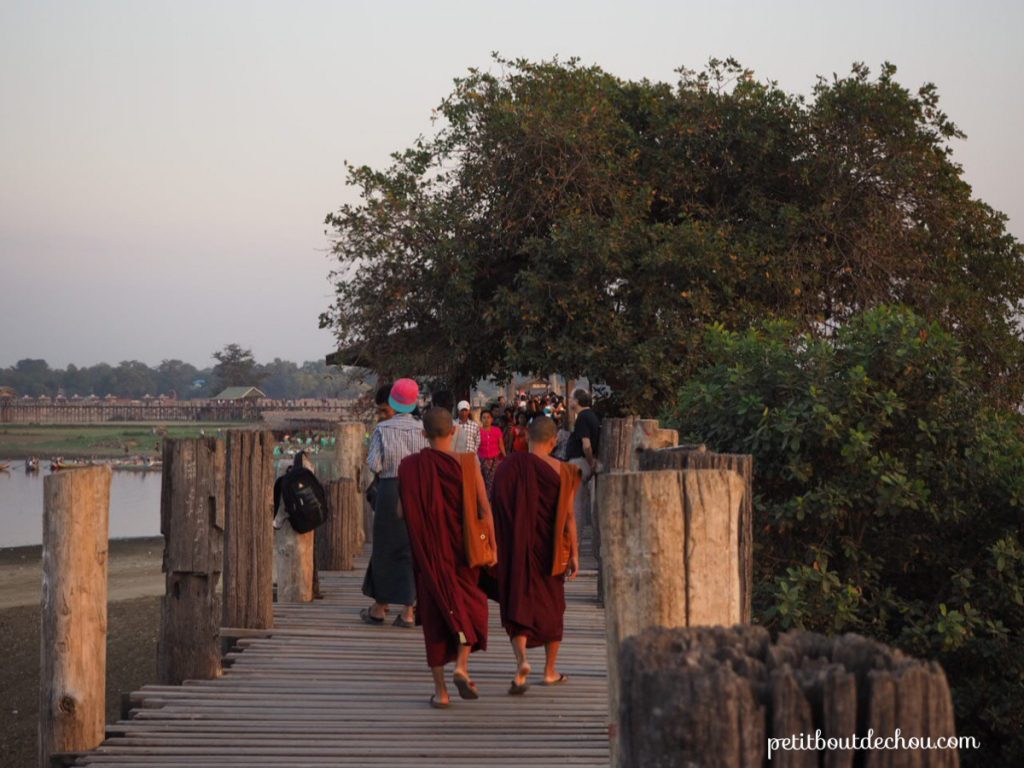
x: 133, y: 620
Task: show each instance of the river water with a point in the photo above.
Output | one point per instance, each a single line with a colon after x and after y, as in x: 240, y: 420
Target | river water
x: 134, y: 503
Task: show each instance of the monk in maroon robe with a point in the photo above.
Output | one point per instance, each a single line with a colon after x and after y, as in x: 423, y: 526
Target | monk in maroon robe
x: 450, y: 604
x: 537, y: 548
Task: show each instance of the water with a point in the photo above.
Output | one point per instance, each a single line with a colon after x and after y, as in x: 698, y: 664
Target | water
x: 134, y: 503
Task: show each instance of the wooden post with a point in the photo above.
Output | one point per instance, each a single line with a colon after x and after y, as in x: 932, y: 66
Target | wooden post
x: 720, y: 696
x: 248, y: 530
x: 192, y: 524
x: 73, y: 636
x: 697, y: 457
x: 643, y: 562
x: 622, y: 442
x: 345, y: 527
x: 670, y: 553
x: 293, y: 564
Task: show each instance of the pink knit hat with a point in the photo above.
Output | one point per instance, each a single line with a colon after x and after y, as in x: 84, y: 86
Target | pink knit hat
x: 404, y: 394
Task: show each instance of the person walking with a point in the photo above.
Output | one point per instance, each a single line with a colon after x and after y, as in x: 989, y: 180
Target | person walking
x: 491, y: 450
x: 582, y: 450
x: 467, y: 431
x: 389, y: 577
x: 452, y: 607
x: 538, y: 549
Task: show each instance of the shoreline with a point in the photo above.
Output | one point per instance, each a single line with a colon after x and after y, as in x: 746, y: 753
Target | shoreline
x: 134, y: 570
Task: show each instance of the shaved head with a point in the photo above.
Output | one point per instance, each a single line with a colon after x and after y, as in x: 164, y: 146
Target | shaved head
x: 437, y: 422
x: 541, y: 429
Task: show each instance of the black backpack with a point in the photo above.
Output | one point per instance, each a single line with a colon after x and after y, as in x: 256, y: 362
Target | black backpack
x: 304, y: 498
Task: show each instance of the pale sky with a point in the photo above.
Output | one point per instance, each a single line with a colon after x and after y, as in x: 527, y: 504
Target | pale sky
x: 165, y: 167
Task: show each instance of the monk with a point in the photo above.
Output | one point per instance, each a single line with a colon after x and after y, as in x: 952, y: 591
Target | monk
x: 537, y: 548
x: 451, y: 606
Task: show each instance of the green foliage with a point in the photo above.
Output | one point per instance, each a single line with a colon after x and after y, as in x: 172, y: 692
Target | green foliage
x: 564, y: 219
x: 889, y: 497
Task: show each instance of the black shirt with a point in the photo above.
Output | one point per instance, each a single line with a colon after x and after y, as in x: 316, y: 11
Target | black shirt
x: 588, y: 424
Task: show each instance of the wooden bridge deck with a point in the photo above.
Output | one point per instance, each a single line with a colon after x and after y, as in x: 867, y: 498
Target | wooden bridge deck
x: 324, y: 689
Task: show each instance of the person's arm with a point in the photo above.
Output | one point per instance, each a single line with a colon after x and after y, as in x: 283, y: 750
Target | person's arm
x: 574, y: 558
x: 504, y: 450
x: 375, y: 454
x: 484, y: 506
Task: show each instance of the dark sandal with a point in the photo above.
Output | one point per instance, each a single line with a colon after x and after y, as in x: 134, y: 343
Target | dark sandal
x: 561, y: 679
x: 518, y: 690
x: 400, y: 622
x: 467, y: 688
x: 439, y: 704
x: 369, y: 618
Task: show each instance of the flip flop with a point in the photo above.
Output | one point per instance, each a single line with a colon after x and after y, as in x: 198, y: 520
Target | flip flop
x: 439, y: 704
x: 467, y: 688
x: 561, y: 679
x: 369, y: 618
x: 518, y: 689
x: 400, y: 622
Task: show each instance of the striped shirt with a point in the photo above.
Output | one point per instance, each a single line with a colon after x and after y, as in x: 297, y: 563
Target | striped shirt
x: 392, y: 440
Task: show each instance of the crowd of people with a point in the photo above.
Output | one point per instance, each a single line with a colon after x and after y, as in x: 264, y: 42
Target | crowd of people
x: 466, y: 511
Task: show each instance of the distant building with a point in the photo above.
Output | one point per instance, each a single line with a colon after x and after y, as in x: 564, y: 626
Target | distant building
x: 240, y: 393
x: 7, y: 393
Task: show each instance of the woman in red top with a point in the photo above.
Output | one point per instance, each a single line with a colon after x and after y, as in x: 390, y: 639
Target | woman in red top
x: 517, y: 438
x: 491, y: 450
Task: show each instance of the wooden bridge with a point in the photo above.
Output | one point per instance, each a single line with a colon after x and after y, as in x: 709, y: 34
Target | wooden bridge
x: 324, y: 689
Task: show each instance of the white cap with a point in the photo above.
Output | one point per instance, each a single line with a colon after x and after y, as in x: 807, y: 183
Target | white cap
x: 462, y: 406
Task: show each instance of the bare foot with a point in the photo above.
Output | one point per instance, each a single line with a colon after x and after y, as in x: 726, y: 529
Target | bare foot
x: 522, y: 672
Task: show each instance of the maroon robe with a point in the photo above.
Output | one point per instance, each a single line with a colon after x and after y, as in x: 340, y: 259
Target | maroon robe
x: 450, y: 605
x: 525, y: 501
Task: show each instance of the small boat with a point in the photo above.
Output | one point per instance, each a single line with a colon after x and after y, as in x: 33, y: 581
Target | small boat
x: 5, y: 466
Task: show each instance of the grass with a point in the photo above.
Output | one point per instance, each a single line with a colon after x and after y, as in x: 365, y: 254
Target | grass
x: 96, y: 440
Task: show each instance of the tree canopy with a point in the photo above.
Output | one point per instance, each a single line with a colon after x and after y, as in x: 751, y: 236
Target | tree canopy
x: 564, y: 219
x: 889, y: 498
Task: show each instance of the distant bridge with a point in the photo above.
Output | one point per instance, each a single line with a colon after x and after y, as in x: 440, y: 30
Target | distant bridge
x: 291, y: 411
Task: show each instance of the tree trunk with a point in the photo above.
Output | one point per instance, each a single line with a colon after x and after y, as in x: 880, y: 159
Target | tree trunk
x: 248, y: 531
x: 73, y: 636
x: 192, y: 524
x: 724, y: 696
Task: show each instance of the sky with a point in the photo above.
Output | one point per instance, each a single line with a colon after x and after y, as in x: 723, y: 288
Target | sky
x: 166, y: 167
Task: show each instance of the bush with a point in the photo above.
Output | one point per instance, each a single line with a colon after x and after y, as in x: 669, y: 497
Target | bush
x: 889, y: 498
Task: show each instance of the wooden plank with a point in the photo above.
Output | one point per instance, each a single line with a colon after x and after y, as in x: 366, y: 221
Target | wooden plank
x: 321, y: 687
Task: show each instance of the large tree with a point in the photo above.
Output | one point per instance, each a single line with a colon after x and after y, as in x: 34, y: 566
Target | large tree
x: 564, y: 219
x: 235, y: 367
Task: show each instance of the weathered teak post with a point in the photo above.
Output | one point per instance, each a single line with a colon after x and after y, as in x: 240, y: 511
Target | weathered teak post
x: 73, y: 636
x: 622, y: 442
x: 248, y: 530
x: 293, y: 564
x: 726, y: 696
x: 192, y: 524
x: 345, y: 527
x: 340, y: 539
x: 696, y: 457
x: 670, y: 549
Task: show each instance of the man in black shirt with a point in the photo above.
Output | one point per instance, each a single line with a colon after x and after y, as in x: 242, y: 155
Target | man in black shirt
x: 582, y: 451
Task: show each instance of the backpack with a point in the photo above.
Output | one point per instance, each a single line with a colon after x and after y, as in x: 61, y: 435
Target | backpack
x: 304, y: 499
